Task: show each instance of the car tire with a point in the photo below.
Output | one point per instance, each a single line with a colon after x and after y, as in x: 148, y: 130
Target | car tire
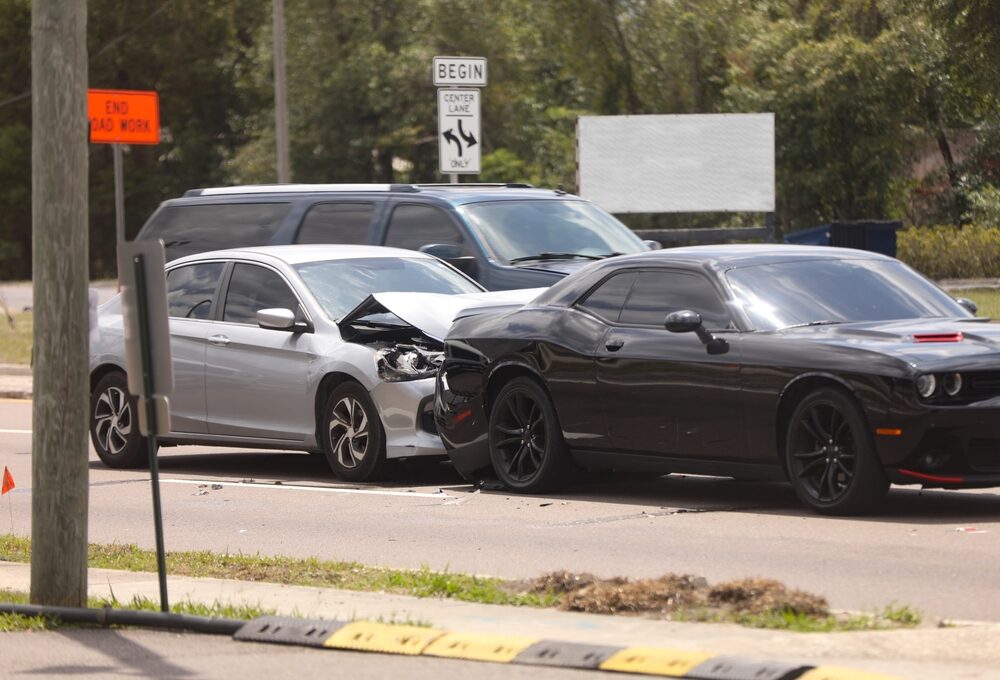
x: 353, y: 438
x: 527, y: 449
x: 830, y: 455
x: 114, y: 424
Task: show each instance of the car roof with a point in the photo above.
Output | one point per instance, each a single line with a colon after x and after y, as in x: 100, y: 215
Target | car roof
x: 715, y: 257
x: 455, y: 194
x: 727, y: 256
x: 297, y: 254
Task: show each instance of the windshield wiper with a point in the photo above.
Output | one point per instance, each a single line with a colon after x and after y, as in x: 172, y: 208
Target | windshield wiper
x: 557, y: 256
x: 824, y: 322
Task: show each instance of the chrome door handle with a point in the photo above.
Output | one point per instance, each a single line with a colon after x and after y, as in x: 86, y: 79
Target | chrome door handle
x: 218, y: 340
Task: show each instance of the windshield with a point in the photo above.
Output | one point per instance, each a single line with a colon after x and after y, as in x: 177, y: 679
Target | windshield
x: 837, y: 291
x: 340, y: 285
x: 522, y: 229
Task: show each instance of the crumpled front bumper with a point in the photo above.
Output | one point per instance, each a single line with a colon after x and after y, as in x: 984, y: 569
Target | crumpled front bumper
x: 407, y: 418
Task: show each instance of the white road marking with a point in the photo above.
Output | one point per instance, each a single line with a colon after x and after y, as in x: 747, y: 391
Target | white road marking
x: 299, y: 487
x: 15, y: 431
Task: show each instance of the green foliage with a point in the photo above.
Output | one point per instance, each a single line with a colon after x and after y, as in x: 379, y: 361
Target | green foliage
x: 15, y: 338
x: 948, y: 252
x: 883, y: 109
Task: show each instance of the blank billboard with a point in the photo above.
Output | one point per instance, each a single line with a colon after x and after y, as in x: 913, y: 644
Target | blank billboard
x: 677, y: 163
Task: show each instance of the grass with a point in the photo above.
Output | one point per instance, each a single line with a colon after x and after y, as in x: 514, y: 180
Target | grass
x: 988, y: 300
x: 16, y: 338
x: 13, y: 622
x: 419, y: 583
x: 299, y: 571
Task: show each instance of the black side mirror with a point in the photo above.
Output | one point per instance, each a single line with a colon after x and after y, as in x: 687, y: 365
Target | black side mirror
x: 968, y: 304
x: 686, y: 321
x: 682, y: 321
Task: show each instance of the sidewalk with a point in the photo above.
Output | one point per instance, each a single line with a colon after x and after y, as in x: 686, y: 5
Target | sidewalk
x: 15, y: 381
x: 926, y: 653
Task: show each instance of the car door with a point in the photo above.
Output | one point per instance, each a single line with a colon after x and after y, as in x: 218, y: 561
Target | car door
x: 192, y: 292
x: 256, y: 378
x: 663, y: 393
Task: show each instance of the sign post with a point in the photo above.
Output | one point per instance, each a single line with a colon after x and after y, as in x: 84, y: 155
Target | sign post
x: 147, y: 361
x: 459, y: 120
x: 122, y: 117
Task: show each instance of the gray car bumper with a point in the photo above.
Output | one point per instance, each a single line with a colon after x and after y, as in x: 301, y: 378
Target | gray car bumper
x: 406, y: 409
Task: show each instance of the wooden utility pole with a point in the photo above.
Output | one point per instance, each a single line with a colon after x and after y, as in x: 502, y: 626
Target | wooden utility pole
x: 60, y: 273
x: 280, y: 93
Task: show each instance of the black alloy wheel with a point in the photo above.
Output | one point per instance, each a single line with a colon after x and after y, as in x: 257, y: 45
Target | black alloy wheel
x: 830, y: 455
x: 114, y: 424
x: 526, y: 444
x: 352, y: 434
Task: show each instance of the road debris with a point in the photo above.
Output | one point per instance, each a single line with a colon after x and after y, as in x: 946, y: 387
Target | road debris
x: 970, y: 530
x: 676, y: 593
x: 216, y: 487
x: 458, y: 500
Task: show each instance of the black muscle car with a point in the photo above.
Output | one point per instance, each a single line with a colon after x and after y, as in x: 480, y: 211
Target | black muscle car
x: 840, y: 370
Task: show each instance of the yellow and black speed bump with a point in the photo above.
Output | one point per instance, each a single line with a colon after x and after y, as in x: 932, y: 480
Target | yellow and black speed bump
x: 387, y: 638
x: 284, y: 630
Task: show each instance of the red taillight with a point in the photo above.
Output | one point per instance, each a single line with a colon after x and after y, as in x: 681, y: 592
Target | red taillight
x: 938, y: 337
x: 461, y: 415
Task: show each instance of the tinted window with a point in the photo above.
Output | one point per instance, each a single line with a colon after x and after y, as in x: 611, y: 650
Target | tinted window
x: 190, y: 290
x: 413, y: 226
x: 189, y: 229
x: 254, y: 288
x: 792, y: 293
x: 337, y: 223
x: 657, y: 293
x: 341, y: 285
x: 607, y: 299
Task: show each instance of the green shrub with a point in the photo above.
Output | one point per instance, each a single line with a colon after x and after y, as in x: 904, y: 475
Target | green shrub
x: 945, y: 252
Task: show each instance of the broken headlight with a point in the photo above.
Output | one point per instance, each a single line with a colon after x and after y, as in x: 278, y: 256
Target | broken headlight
x: 406, y: 362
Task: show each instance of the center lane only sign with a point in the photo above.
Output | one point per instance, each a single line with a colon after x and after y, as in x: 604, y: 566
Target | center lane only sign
x: 459, y: 131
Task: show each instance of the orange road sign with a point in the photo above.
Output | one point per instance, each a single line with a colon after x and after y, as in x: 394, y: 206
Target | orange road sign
x: 123, y: 117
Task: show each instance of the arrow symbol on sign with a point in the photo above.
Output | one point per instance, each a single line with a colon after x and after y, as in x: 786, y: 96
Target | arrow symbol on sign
x: 452, y: 138
x: 470, y: 139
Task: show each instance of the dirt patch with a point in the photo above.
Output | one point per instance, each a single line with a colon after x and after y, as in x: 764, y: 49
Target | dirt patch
x: 677, y: 593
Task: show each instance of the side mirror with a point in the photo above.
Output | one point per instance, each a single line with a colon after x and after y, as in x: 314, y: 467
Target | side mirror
x: 968, y: 304
x: 653, y: 245
x: 276, y: 319
x: 686, y: 321
x: 682, y: 321
x: 444, y: 251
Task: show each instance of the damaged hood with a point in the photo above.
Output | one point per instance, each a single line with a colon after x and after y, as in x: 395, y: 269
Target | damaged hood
x: 433, y: 313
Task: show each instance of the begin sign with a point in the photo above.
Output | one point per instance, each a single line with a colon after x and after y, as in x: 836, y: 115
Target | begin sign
x: 123, y: 117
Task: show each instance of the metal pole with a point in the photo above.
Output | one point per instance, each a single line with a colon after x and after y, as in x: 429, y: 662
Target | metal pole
x: 119, y: 195
x: 147, y: 383
x: 280, y: 93
x: 453, y: 177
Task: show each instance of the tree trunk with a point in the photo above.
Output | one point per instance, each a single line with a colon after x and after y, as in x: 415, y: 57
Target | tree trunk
x: 60, y: 273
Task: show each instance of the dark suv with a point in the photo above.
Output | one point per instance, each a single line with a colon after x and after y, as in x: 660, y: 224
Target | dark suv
x: 503, y: 235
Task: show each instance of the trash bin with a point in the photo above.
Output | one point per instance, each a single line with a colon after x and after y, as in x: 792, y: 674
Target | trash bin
x: 876, y: 236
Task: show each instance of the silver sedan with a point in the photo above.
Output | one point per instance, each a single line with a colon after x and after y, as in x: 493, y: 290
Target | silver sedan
x: 318, y: 348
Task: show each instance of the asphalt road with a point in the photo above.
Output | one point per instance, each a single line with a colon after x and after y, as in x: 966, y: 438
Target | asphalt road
x: 934, y: 550
x: 154, y: 654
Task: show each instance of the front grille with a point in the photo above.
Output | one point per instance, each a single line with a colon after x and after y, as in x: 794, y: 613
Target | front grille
x: 984, y: 455
x: 982, y: 384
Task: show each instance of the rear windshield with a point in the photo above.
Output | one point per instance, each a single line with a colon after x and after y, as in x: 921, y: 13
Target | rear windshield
x: 190, y: 229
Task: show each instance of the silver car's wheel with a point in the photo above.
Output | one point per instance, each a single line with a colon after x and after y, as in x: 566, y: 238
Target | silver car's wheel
x: 114, y: 429
x: 349, y: 432
x: 353, y: 439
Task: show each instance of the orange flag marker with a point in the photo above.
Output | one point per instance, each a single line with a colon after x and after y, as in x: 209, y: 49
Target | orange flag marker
x: 8, y: 481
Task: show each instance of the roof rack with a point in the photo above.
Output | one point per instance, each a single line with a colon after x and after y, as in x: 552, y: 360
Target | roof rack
x: 317, y: 188
x: 475, y: 185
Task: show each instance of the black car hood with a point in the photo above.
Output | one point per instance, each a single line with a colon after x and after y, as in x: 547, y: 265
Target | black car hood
x: 970, y: 343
